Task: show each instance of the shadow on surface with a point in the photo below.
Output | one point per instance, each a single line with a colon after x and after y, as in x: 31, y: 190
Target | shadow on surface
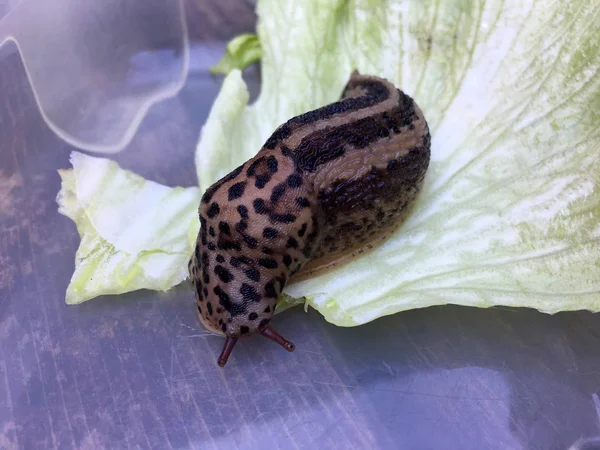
x: 492, y: 376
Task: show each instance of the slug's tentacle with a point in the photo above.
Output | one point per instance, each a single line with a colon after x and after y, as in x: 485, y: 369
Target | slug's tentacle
x: 267, y: 332
x: 274, y: 336
x: 227, y: 349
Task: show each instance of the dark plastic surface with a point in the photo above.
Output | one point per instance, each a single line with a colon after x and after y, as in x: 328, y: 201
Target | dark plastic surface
x: 139, y: 371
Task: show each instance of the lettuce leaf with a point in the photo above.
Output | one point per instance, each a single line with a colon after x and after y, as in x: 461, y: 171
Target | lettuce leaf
x: 135, y: 234
x: 510, y: 211
x: 241, y: 52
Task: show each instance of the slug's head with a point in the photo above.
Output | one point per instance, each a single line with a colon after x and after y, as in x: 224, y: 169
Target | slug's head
x: 235, y: 298
x: 237, y: 284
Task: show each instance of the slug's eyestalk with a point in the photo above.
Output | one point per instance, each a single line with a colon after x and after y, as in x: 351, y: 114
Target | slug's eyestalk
x: 268, y: 332
x: 227, y: 348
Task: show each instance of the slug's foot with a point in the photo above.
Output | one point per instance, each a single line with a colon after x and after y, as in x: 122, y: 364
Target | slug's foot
x: 268, y: 332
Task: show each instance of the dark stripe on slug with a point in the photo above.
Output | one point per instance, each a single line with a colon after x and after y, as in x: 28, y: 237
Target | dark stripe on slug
x: 249, y: 293
x: 302, y: 202
x: 282, y: 280
x: 261, y: 181
x: 232, y: 308
x: 236, y: 190
x: 260, y: 207
x: 238, y: 261
x: 254, y: 166
x: 226, y: 244
x: 208, y: 194
x: 277, y: 192
x: 270, y: 290
x: 262, y: 169
x: 267, y: 263
x: 242, y: 211
x: 250, y: 241
x: 283, y: 218
x: 253, y: 274
x: 270, y: 233
x: 394, y: 186
x: 375, y: 87
x: 203, y: 233
x: 213, y: 211
x: 302, y: 230
x: 224, y: 274
x: 331, y: 143
x: 287, y: 260
x: 291, y: 243
x: 272, y: 164
x: 282, y: 132
x: 375, y: 92
x: 294, y: 180
x: 204, y: 259
x: 197, y: 254
x: 285, y: 151
x: 224, y: 228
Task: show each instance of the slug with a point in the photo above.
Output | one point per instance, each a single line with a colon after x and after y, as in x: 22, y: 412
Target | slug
x: 327, y: 185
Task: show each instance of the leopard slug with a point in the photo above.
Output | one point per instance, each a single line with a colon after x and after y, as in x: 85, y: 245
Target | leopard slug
x: 327, y: 185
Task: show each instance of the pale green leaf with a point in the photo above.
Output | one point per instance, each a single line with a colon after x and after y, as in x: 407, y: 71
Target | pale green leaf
x: 135, y: 233
x: 241, y: 52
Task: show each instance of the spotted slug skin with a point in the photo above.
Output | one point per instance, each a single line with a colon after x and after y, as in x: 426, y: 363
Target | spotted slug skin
x: 325, y: 186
